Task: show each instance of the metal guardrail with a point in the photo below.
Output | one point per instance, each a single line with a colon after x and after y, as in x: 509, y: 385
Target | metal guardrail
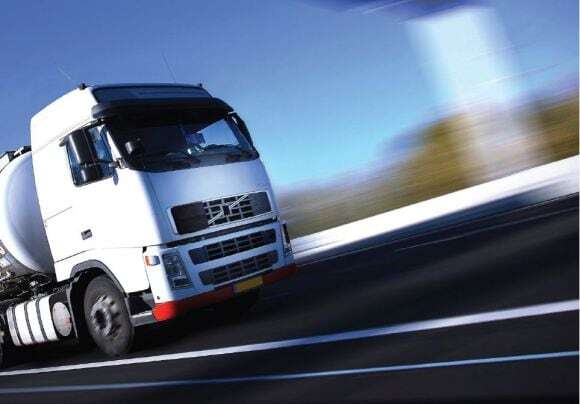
x: 529, y: 186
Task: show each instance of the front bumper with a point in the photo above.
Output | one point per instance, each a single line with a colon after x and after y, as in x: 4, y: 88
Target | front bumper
x: 217, y: 266
x: 171, y: 309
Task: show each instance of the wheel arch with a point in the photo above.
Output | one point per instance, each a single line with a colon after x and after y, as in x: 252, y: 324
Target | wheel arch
x: 92, y: 269
x: 82, y: 274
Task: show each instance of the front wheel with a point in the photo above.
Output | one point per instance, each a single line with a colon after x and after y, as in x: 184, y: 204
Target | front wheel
x: 107, y: 317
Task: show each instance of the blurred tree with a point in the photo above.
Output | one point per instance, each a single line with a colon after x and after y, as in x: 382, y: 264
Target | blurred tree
x: 438, y: 164
x: 559, y: 124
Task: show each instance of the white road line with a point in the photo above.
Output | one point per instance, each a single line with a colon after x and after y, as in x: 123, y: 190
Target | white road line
x: 425, y: 325
x: 286, y: 376
x: 485, y: 229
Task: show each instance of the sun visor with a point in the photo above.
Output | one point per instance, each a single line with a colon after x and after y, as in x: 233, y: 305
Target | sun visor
x: 144, y: 106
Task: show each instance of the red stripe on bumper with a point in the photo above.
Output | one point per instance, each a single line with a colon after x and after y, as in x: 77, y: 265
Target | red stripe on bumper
x: 278, y: 274
x: 168, y: 310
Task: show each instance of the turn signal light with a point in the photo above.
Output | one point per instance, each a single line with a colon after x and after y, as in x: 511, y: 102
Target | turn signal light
x: 152, y: 260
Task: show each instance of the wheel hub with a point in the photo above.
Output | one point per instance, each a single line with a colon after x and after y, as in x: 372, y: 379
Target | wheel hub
x: 103, y: 316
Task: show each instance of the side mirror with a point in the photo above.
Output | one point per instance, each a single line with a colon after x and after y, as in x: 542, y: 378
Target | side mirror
x: 90, y: 173
x: 134, y: 147
x: 84, y: 163
x: 80, y: 147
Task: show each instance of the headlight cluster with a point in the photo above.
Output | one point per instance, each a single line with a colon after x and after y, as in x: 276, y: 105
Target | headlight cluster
x: 175, y: 270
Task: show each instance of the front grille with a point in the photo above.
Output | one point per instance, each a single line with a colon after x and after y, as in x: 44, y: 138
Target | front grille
x: 197, y: 216
x: 238, y: 269
x: 234, y: 208
x: 189, y: 218
x: 232, y: 246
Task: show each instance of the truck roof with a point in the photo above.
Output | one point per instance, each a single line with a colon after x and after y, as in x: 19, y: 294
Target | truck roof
x: 73, y: 109
x: 144, y: 85
x: 61, y: 117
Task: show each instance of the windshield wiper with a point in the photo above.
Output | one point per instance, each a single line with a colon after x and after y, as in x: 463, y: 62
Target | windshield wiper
x: 166, y: 154
x: 237, y: 148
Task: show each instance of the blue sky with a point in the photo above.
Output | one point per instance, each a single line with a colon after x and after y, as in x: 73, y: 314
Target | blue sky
x: 321, y: 90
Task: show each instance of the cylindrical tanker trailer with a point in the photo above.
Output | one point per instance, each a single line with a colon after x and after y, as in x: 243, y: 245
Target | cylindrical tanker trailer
x: 134, y: 204
x: 34, y: 311
x: 24, y: 249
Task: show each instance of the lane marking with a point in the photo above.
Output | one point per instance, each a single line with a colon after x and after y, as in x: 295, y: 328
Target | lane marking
x: 424, y: 325
x: 287, y: 376
x: 485, y: 229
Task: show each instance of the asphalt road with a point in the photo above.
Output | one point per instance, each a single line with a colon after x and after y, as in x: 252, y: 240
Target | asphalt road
x: 520, y: 259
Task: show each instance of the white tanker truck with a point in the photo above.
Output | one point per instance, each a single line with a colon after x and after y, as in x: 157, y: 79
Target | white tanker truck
x: 134, y: 204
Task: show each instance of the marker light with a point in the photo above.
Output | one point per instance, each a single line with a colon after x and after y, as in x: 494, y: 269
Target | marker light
x: 152, y: 260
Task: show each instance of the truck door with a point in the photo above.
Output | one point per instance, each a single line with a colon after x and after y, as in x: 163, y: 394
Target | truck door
x: 93, y: 176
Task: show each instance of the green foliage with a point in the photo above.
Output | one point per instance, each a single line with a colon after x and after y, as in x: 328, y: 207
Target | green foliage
x: 559, y: 124
x: 442, y: 163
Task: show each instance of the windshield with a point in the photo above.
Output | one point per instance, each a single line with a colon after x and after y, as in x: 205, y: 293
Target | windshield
x: 168, y: 142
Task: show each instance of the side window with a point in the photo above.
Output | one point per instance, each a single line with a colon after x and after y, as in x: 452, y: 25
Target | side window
x: 97, y: 165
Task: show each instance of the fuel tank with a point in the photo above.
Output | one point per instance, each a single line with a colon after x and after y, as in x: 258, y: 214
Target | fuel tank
x: 24, y: 248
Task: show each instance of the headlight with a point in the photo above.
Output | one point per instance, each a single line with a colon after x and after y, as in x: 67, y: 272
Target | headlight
x: 175, y: 270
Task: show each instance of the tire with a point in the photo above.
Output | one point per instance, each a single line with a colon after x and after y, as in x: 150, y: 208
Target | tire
x: 237, y: 306
x: 107, y: 318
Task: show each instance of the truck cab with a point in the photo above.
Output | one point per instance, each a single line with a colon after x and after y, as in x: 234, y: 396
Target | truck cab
x: 161, y: 190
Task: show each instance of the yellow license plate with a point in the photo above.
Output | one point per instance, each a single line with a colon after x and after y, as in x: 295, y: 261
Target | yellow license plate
x: 248, y: 284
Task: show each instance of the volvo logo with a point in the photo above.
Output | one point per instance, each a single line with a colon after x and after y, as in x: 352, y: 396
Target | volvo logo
x: 227, y: 209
